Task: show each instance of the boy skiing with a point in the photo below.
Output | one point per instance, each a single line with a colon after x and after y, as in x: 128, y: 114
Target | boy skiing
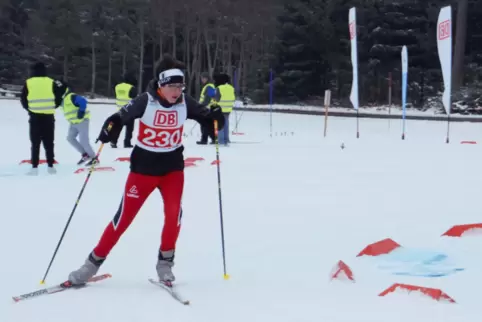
x: 76, y: 113
x: 157, y: 162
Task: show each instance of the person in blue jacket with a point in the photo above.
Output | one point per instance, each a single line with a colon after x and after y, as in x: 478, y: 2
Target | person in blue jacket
x: 78, y: 116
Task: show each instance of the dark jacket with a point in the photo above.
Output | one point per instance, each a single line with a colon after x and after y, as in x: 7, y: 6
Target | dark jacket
x: 155, y: 163
x: 58, y: 87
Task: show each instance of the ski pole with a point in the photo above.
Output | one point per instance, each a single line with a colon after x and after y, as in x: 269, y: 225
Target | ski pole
x: 91, y: 169
x: 192, y: 129
x: 218, y: 166
x: 237, y: 121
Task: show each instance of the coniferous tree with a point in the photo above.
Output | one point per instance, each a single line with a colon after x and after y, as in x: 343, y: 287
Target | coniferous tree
x: 303, y: 44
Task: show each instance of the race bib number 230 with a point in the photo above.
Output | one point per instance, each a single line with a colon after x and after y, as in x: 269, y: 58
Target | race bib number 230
x: 160, y: 138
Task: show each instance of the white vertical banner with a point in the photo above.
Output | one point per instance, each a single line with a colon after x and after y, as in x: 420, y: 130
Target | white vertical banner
x: 444, y: 45
x: 404, y: 60
x: 354, y: 56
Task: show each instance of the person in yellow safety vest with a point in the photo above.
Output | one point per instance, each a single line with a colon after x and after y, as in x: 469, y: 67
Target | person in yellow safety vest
x: 225, y: 97
x: 40, y: 96
x: 206, y: 99
x: 78, y: 116
x: 124, y: 92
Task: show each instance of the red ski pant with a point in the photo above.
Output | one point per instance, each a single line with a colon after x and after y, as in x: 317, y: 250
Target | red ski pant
x: 137, y: 189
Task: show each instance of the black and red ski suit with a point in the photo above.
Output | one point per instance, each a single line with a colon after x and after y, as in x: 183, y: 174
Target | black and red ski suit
x: 156, y: 161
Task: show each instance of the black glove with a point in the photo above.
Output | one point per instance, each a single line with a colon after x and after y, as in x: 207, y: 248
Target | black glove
x: 80, y: 114
x: 110, y: 130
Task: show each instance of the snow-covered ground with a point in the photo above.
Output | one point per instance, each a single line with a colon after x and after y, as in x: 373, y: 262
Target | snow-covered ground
x: 375, y: 110
x: 295, y: 203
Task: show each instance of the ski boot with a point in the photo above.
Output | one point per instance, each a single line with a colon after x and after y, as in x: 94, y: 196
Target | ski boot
x: 32, y: 172
x: 51, y: 170
x: 93, y: 161
x: 128, y: 145
x: 84, y: 158
x: 113, y: 145
x: 164, y: 266
x: 86, y: 271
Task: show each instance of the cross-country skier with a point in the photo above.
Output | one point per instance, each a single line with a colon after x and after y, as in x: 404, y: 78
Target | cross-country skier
x: 157, y: 162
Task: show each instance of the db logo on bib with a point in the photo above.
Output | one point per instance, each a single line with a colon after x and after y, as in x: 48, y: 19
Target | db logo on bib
x: 166, y: 119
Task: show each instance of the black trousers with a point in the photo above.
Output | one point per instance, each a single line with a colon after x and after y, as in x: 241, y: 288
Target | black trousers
x: 205, y: 134
x: 42, y: 131
x: 129, y: 129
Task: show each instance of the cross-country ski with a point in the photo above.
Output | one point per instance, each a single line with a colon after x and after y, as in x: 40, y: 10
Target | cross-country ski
x: 171, y: 289
x: 58, y: 288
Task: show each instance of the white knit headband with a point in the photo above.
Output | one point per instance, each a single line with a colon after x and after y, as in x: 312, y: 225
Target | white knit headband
x: 171, y: 76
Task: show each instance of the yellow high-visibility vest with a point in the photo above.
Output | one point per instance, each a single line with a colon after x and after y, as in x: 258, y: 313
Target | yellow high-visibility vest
x: 203, y: 93
x: 228, y: 97
x: 41, y: 98
x: 122, y: 94
x: 70, y: 110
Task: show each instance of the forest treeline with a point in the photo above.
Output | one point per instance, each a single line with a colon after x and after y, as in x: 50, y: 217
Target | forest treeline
x: 304, y: 43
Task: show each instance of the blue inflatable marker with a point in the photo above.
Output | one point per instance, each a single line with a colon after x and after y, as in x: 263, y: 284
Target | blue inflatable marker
x: 418, y: 262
